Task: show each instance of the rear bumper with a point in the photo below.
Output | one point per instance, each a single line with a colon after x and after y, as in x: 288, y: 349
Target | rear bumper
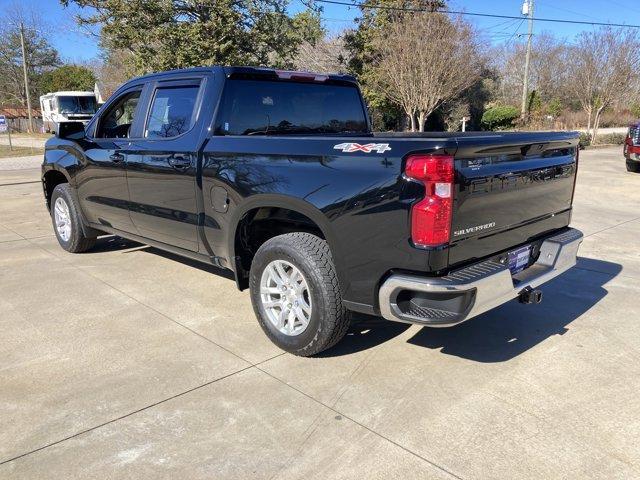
x: 472, y: 290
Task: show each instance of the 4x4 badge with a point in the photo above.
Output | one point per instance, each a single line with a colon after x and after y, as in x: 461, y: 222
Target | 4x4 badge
x: 368, y: 148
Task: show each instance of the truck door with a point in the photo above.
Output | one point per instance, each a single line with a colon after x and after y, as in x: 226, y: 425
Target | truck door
x: 102, y: 183
x: 162, y: 165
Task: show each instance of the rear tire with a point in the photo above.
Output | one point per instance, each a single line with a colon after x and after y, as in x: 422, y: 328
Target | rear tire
x: 304, y: 261
x: 67, y: 223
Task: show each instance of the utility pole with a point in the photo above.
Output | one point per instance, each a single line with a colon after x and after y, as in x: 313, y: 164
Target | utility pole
x: 26, y: 77
x: 527, y: 9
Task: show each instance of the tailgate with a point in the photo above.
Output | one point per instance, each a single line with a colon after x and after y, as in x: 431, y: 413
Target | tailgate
x: 510, y: 189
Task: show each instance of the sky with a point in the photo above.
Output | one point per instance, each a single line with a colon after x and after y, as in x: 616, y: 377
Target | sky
x: 77, y: 45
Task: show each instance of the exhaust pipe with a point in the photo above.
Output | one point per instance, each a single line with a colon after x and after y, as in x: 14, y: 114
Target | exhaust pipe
x: 529, y: 295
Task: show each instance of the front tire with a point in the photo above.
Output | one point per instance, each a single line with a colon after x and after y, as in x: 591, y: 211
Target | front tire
x: 67, y: 224
x: 295, y: 294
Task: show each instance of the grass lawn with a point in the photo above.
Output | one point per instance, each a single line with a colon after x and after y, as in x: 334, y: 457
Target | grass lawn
x: 19, y: 151
x: 32, y: 135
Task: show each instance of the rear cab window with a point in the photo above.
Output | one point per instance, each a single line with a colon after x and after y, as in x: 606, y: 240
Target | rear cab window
x: 272, y: 107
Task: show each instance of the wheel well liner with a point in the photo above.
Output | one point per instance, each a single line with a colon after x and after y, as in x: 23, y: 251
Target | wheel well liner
x: 51, y: 180
x: 260, y: 222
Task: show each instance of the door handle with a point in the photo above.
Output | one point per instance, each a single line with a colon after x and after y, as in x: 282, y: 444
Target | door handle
x: 116, y: 157
x: 179, y: 162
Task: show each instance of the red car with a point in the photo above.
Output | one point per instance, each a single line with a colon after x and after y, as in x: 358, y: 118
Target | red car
x: 632, y: 148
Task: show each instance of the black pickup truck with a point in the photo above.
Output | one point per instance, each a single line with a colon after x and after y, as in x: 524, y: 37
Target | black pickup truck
x: 277, y: 177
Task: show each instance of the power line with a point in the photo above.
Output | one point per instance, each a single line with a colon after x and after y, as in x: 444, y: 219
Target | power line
x: 340, y: 20
x: 548, y: 5
x: 475, y: 14
x: 505, y: 25
x: 624, y: 6
x: 506, y: 44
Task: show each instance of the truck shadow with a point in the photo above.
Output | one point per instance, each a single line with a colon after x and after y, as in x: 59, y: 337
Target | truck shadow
x: 503, y: 333
x: 513, y: 328
x: 113, y: 243
x: 366, y: 331
x: 495, y: 336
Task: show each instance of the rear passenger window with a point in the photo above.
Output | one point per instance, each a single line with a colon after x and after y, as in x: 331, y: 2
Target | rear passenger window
x: 172, y: 111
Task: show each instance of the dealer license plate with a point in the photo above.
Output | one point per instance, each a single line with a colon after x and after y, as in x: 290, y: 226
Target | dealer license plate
x: 519, y: 259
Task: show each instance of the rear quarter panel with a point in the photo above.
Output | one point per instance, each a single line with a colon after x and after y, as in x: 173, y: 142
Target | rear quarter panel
x: 360, y: 200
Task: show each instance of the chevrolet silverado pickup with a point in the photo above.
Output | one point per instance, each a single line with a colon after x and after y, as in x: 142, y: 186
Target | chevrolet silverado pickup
x: 277, y: 177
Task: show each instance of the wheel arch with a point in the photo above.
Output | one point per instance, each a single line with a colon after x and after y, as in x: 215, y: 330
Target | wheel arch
x: 309, y: 216
x: 51, y: 178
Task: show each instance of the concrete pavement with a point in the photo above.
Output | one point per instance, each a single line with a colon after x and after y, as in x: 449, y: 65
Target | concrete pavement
x: 127, y: 362
x: 20, y: 163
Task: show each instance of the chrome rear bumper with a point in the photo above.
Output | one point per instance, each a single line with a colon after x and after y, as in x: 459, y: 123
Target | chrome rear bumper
x: 472, y: 290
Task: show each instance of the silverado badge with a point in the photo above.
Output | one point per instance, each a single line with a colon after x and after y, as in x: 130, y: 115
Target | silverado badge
x: 368, y: 148
x: 477, y: 228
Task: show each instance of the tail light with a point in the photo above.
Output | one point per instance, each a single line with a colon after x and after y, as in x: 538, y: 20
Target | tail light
x: 431, y: 216
x: 575, y: 178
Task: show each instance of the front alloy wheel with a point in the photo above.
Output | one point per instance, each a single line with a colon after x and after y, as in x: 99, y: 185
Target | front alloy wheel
x: 62, y: 219
x: 67, y: 222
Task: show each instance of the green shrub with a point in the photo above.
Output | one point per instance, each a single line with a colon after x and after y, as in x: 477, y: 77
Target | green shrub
x: 500, y: 117
x: 554, y: 108
x: 612, y: 139
x: 585, y: 140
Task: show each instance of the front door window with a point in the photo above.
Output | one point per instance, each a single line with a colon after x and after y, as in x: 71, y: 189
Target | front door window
x: 117, y: 121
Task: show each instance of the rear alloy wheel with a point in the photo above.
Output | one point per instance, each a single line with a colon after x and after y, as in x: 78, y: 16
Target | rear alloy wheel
x: 295, y: 294
x: 285, y: 297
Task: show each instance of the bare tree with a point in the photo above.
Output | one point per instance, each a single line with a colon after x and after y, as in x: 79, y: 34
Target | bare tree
x: 41, y: 56
x: 112, y: 69
x: 326, y: 55
x: 425, y: 60
x: 549, y: 67
x: 604, y: 64
x: 548, y: 76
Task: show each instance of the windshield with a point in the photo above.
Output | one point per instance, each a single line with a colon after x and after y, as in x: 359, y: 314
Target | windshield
x: 77, y: 105
x: 265, y: 107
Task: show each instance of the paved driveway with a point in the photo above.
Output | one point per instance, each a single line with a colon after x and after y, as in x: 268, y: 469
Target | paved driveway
x: 131, y: 363
x: 31, y: 162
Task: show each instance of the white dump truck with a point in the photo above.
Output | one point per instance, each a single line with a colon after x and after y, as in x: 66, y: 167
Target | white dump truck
x: 70, y: 106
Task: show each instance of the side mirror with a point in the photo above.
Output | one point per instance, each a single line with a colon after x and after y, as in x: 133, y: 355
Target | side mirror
x: 70, y: 130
